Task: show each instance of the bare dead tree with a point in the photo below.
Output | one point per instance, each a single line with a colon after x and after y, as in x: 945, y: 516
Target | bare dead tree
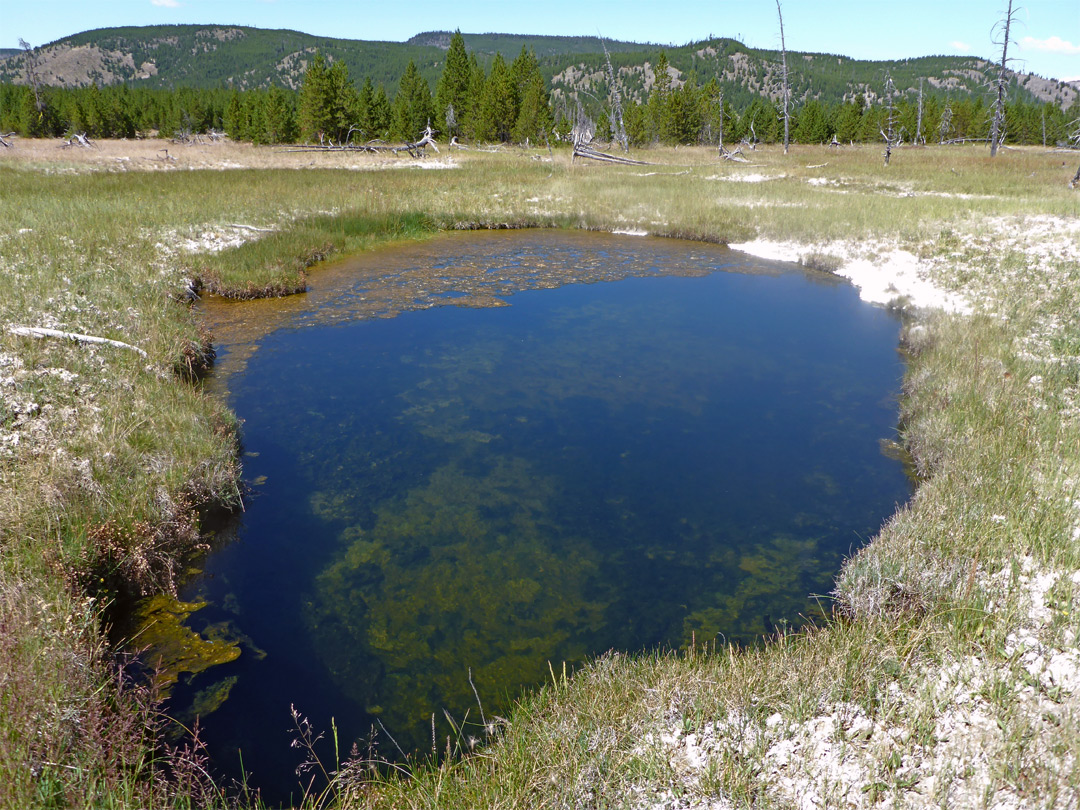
x: 918, y: 123
x: 888, y: 131
x: 707, y: 133
x: 618, y: 127
x: 584, y: 129
x: 32, y: 76
x: 997, y: 126
x: 784, y: 76
x: 581, y: 136
x: 946, y: 121
x: 451, y: 121
x: 752, y: 141
x: 1074, y: 138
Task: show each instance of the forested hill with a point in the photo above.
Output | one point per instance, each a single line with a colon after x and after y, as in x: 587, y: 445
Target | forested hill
x: 250, y: 58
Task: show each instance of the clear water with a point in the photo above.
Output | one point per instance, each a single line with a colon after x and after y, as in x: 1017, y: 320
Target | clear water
x: 688, y: 452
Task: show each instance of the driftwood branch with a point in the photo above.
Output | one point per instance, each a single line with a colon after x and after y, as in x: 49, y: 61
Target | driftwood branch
x: 41, y: 333
x: 5, y: 138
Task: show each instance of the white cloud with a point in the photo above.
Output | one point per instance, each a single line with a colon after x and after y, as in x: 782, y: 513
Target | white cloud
x: 1054, y: 44
x: 963, y: 47
x: 165, y: 3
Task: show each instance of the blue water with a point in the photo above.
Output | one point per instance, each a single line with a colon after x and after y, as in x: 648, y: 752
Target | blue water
x: 628, y: 464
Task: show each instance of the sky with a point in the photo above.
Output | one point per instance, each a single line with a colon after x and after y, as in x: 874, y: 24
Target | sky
x: 1045, y: 37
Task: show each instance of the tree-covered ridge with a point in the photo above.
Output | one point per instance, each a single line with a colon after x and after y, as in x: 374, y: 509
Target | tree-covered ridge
x: 509, y: 45
x: 745, y: 73
x: 247, y: 58
x: 220, y: 56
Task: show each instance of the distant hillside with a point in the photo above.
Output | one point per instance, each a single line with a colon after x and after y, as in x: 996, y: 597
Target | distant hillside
x: 510, y: 45
x: 747, y: 72
x: 249, y: 58
x: 212, y: 56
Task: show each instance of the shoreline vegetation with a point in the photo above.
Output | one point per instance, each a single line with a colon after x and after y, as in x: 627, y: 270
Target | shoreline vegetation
x: 948, y: 672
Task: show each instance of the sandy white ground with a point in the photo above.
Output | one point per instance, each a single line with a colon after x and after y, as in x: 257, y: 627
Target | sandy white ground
x: 883, y: 274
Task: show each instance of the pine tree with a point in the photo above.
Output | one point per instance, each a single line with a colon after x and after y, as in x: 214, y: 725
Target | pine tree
x: 684, y: 119
x: 522, y: 71
x: 849, y: 121
x: 452, y: 89
x: 812, y: 126
x: 315, y: 113
x: 413, y: 109
x: 477, y: 80
x: 277, y: 117
x: 534, y: 120
x: 343, y: 101
x: 531, y: 110
x: 380, y: 114
x: 658, y: 115
x: 494, y: 115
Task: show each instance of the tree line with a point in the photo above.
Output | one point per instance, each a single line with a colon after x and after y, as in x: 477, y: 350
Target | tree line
x: 504, y: 103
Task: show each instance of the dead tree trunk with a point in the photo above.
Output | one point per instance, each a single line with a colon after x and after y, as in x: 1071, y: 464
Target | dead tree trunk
x: 888, y: 132
x: 946, y: 122
x: 784, y: 76
x: 32, y: 77
x: 1076, y: 142
x: 918, y: 122
x: 997, y: 126
x: 618, y: 128
x: 720, y: 142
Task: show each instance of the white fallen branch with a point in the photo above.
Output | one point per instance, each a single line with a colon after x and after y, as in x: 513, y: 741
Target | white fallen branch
x: 41, y: 332
x: 249, y: 227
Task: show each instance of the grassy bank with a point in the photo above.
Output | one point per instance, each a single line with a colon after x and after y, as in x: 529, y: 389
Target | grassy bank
x: 949, y: 675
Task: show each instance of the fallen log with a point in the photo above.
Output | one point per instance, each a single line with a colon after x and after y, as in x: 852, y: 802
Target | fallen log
x: 41, y: 333
x: 593, y: 154
x: 736, y: 156
x: 415, y: 149
x: 78, y: 139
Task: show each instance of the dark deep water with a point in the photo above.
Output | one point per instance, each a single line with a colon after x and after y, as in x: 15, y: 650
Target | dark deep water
x: 614, y: 465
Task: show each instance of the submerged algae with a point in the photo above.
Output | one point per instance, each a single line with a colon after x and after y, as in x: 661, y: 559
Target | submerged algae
x: 467, y: 573
x: 171, y: 647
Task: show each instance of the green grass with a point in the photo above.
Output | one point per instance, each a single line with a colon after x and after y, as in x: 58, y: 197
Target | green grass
x: 277, y: 264
x: 117, y: 454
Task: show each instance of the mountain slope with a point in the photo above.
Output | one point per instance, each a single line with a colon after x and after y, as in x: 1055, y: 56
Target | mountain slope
x: 246, y: 58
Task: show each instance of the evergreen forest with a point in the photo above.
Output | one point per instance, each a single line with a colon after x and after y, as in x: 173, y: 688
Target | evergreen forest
x: 513, y: 101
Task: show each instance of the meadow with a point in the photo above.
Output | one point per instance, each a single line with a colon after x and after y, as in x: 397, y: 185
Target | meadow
x: 946, y: 670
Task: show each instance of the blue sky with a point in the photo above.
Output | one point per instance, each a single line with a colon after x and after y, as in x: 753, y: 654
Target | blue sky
x: 1047, y: 34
